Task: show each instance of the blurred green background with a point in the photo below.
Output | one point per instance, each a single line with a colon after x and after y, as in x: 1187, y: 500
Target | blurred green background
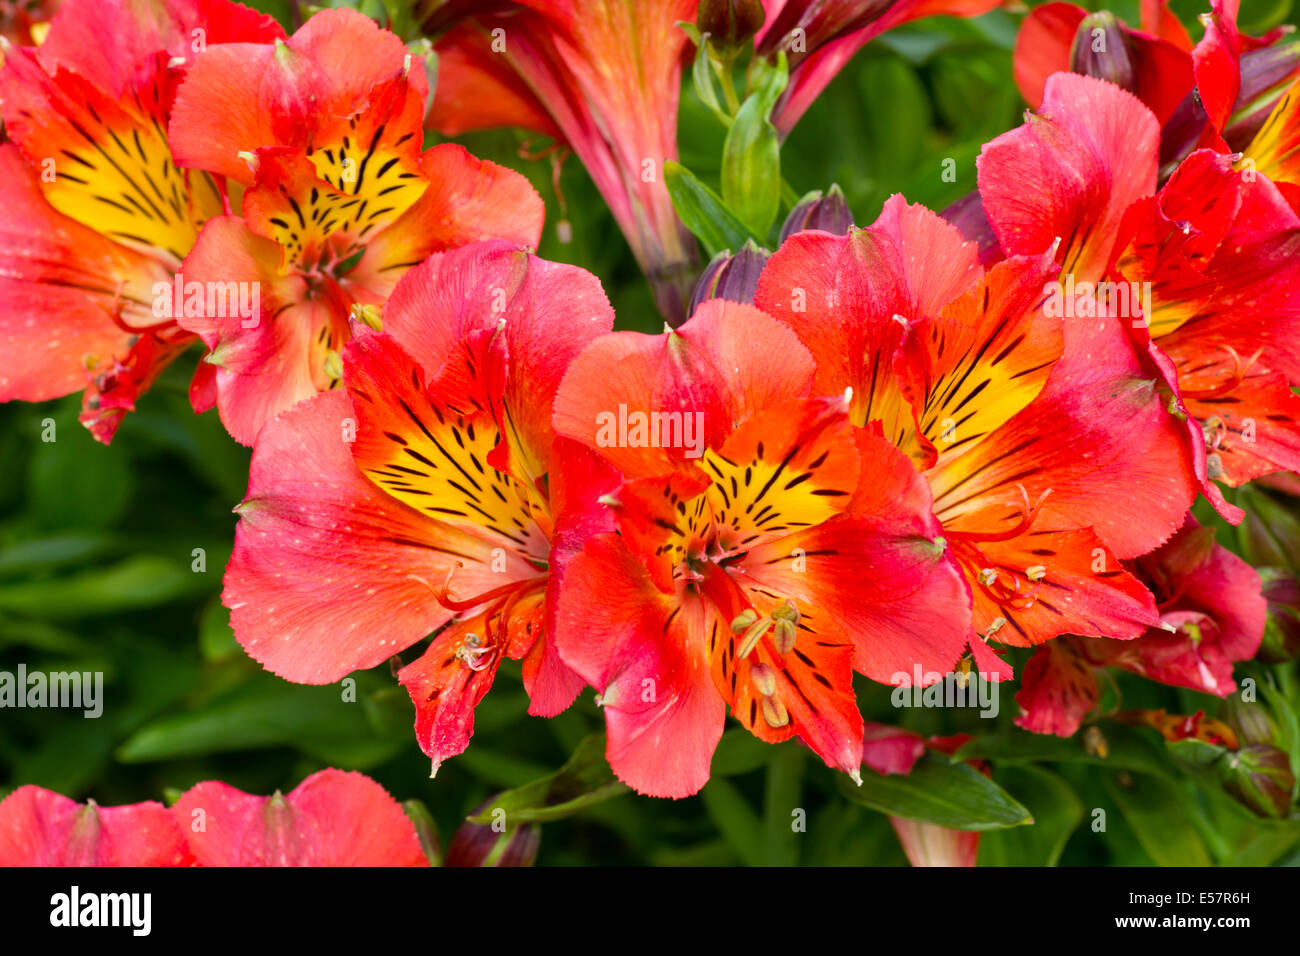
x: 98, y: 550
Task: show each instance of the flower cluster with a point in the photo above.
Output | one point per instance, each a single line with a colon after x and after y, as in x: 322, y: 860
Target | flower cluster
x: 892, y: 451
x: 332, y: 818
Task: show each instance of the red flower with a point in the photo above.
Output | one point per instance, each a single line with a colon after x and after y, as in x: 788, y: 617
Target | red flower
x: 819, y: 38
x: 1034, y: 433
x: 1220, y: 89
x: 333, y: 818
x: 1215, y: 245
x: 324, y: 132
x: 1154, y: 62
x: 765, y: 553
x: 41, y: 828
x: 929, y: 844
x: 1212, y: 614
x: 427, y: 493
x: 601, y: 77
x: 94, y: 211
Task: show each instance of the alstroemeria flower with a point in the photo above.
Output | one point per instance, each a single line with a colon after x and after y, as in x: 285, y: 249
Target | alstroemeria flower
x: 767, y: 549
x: 94, y: 211
x: 1212, y: 613
x: 819, y: 37
x: 929, y: 844
x: 1219, y: 90
x: 1154, y: 62
x: 1048, y: 451
x: 1214, y: 251
x: 600, y: 76
x: 428, y: 493
x: 333, y: 818
x: 324, y: 133
x: 39, y: 827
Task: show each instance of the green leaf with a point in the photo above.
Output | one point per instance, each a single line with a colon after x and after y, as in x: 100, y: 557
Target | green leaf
x: 1056, y: 811
x: 751, y: 157
x: 739, y: 752
x: 426, y: 830
x: 1153, y: 807
x: 1127, y: 748
x: 269, y: 712
x: 583, y: 781
x: 41, y: 554
x: 75, y: 482
x: 896, y: 138
x: 702, y: 74
x: 703, y: 212
x: 138, y: 582
x: 1198, y: 757
x: 735, y: 820
x: 937, y: 791
x: 781, y: 804
x: 216, y: 639
x: 751, y: 168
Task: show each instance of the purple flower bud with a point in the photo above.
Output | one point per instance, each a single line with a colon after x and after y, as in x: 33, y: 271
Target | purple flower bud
x: 1249, y: 720
x: 1259, y: 777
x: 731, y: 277
x: 1270, y: 532
x: 1101, y: 49
x: 1282, y: 631
x: 730, y: 23
x: 498, y: 843
x: 829, y: 213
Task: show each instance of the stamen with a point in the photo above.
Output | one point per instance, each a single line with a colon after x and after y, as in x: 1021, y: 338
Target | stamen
x: 764, y: 679
x: 472, y: 651
x: 786, y: 612
x: 1027, y: 514
x: 784, y: 637
x: 453, y: 604
x: 774, y: 712
x: 743, y: 620
x: 1008, y: 595
x: 368, y: 315
x: 1239, y: 371
x: 333, y: 365
x: 752, y: 637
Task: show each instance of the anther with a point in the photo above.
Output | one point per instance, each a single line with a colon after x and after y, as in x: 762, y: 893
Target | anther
x: 764, y: 679
x: 774, y: 712
x: 367, y: 315
x: 752, y: 636
x: 786, y: 612
x: 784, y: 637
x: 333, y: 364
